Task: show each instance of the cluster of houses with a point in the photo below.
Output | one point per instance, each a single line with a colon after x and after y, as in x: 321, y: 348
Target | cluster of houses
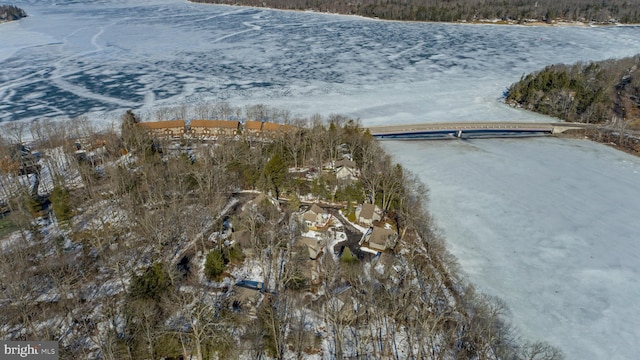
x: 322, y: 226
x: 377, y: 236
x: 322, y: 231
x: 211, y: 129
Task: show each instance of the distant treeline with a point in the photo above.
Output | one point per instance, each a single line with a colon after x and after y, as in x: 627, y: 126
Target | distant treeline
x: 597, y: 92
x: 10, y: 12
x: 598, y: 11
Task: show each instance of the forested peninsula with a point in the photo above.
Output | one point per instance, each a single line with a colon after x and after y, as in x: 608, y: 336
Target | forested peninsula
x: 500, y: 11
x: 273, y: 236
x: 10, y: 13
x: 605, y: 93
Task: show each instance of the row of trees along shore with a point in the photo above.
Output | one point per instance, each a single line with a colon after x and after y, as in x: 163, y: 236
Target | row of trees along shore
x: 622, y: 11
x: 120, y: 254
x: 604, y: 92
x: 10, y: 12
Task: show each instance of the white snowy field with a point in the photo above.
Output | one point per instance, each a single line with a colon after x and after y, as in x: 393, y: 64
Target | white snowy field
x: 549, y: 225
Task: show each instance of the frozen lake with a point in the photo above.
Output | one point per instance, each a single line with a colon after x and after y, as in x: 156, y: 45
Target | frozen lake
x: 73, y: 57
x: 546, y: 224
x: 551, y: 226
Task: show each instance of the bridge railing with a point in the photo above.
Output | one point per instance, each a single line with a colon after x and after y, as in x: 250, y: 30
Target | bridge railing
x: 475, y: 129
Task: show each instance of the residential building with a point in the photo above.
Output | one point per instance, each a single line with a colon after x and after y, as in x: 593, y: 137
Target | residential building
x: 263, y: 129
x: 366, y: 214
x: 316, y: 218
x: 314, y: 245
x: 252, y: 128
x: 380, y: 238
x: 345, y: 170
x: 243, y: 239
x: 272, y: 129
x: 214, y: 128
x: 171, y: 129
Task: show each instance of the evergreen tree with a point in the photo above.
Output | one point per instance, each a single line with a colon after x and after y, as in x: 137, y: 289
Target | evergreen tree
x: 275, y: 172
x: 152, y: 284
x: 61, y: 204
x: 348, y: 257
x: 214, y: 265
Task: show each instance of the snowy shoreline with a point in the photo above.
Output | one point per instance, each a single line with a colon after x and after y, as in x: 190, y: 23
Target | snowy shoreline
x: 530, y: 22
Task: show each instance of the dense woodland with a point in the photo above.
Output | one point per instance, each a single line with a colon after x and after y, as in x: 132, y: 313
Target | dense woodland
x: 623, y: 11
x: 10, y: 12
x: 112, y: 244
x: 593, y: 92
x: 605, y: 92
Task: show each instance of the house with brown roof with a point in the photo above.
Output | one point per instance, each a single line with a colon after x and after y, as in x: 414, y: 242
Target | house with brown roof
x: 316, y: 217
x: 314, y: 246
x: 252, y: 128
x: 171, y: 129
x: 243, y: 239
x: 211, y: 128
x: 380, y: 238
x: 273, y: 129
x: 366, y: 214
x: 264, y: 129
x: 267, y: 126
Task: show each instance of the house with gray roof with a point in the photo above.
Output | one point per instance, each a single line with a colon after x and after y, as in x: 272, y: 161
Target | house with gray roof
x: 366, y: 214
x: 345, y: 170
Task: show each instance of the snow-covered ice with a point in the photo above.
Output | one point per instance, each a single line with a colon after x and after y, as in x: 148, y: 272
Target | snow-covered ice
x: 102, y: 57
x: 546, y: 224
x: 549, y: 225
